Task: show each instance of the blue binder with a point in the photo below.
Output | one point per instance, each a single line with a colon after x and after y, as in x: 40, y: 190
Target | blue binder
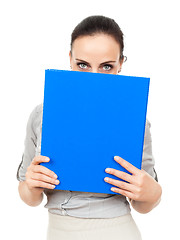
x: 88, y: 118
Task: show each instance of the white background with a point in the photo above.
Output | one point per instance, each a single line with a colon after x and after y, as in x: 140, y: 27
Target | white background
x: 35, y: 35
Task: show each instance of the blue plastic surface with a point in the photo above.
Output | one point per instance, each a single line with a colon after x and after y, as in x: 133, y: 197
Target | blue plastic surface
x: 88, y: 118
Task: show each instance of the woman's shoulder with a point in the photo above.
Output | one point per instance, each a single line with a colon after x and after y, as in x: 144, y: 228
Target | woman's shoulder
x: 148, y: 124
x: 147, y: 134
x: 38, y: 109
x: 36, y: 117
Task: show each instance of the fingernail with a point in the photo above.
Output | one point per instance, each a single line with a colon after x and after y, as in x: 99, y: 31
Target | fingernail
x: 116, y: 157
x: 47, y: 159
x: 57, y: 181
x: 107, y: 170
x: 106, y: 179
x: 55, y: 176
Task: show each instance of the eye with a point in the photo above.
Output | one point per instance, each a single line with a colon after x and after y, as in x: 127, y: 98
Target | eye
x: 107, y: 67
x: 82, y: 65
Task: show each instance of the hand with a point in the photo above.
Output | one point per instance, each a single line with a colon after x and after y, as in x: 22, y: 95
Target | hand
x: 39, y: 177
x: 139, y: 186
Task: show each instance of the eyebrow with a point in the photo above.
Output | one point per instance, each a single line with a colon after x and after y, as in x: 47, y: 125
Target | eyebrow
x: 88, y: 63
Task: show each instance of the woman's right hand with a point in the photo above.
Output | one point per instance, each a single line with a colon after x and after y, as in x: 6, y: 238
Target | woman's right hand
x: 39, y: 177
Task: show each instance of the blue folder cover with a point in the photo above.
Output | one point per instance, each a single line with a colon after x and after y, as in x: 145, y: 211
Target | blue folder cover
x: 88, y: 118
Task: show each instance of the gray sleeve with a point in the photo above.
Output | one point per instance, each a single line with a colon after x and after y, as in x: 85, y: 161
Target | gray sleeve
x: 148, y: 160
x: 29, y: 147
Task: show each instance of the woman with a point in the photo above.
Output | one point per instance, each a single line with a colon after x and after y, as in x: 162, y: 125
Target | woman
x: 96, y: 46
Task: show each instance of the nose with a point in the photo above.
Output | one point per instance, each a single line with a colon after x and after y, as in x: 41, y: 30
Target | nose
x: 94, y: 70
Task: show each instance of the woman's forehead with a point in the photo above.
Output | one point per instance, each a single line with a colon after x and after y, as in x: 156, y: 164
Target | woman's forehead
x: 97, y: 46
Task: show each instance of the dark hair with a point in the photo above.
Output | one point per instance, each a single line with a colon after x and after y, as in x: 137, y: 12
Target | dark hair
x: 99, y: 24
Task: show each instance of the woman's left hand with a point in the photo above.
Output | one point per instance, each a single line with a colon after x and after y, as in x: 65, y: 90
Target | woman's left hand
x: 139, y: 186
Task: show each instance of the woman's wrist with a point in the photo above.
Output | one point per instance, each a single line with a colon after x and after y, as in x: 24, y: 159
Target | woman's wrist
x: 147, y: 206
x: 32, y: 197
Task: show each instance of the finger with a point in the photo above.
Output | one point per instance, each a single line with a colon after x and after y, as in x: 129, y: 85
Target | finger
x: 121, y: 184
x: 44, y: 178
x: 123, y: 192
x: 122, y: 175
x: 39, y: 159
x: 128, y: 166
x: 35, y: 183
x: 44, y: 170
